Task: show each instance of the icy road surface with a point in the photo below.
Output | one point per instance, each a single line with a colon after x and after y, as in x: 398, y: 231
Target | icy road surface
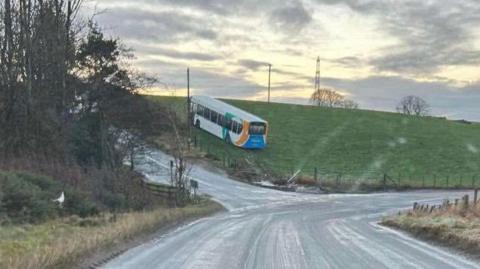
x: 267, y: 229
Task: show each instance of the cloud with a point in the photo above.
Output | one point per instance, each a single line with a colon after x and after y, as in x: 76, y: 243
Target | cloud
x: 222, y: 85
x: 431, y: 34
x: 252, y: 64
x: 203, y: 81
x: 384, y: 93
x: 146, y: 49
x: 216, y: 6
x: 216, y: 37
x: 156, y: 26
x: 349, y: 61
x: 291, y: 18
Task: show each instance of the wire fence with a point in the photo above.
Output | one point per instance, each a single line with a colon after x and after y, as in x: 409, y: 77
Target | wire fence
x: 345, y: 179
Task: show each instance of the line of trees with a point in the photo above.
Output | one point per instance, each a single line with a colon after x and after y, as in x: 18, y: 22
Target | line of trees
x: 331, y: 98
x: 66, y: 95
x: 62, y: 85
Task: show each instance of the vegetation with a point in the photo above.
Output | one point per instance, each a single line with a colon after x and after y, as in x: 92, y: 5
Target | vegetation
x: 454, y: 226
x: 331, y: 98
x: 69, y: 110
x: 63, y: 242
x: 413, y: 105
x: 360, y: 146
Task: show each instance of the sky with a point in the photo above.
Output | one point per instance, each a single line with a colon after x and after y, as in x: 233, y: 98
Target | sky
x: 373, y: 52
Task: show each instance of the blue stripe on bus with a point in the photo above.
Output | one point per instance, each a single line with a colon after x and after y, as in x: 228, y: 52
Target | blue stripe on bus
x: 255, y: 142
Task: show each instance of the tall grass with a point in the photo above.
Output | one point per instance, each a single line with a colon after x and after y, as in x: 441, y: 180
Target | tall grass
x: 455, y: 226
x: 62, y: 243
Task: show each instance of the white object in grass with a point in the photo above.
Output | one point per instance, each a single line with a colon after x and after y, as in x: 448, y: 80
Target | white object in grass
x: 60, y: 199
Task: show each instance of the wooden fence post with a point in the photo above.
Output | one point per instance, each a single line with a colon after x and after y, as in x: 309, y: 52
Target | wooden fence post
x: 465, y: 201
x: 385, y: 182
x: 171, y: 173
x: 475, y: 196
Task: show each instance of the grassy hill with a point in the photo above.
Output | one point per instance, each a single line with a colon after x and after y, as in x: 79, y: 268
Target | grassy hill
x: 359, y: 145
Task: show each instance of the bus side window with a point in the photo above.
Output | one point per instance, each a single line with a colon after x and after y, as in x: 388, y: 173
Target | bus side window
x: 221, y: 120
x: 240, y: 128
x: 206, y: 113
x: 234, y: 127
x: 200, y: 110
x: 214, y: 116
x: 228, y: 124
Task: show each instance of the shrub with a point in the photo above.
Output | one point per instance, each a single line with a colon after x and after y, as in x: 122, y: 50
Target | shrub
x: 29, y: 198
x: 24, y: 201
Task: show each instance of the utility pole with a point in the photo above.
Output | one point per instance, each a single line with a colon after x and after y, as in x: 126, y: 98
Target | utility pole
x: 269, y: 77
x: 317, y: 75
x: 189, y: 123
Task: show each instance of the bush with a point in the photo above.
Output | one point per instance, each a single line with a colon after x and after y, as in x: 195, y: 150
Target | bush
x: 80, y: 204
x: 29, y: 198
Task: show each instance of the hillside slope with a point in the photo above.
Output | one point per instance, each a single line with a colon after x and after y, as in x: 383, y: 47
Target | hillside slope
x: 359, y: 144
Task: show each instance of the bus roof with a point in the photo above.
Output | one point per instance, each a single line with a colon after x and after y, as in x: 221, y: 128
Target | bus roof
x: 222, y: 107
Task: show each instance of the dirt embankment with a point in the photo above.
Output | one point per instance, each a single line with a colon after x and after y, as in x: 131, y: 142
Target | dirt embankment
x: 454, y: 225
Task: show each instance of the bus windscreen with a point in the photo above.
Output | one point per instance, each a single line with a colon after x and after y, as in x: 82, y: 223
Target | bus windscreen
x: 257, y: 128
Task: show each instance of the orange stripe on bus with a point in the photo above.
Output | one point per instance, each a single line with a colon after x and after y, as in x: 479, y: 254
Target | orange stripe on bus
x: 244, y: 136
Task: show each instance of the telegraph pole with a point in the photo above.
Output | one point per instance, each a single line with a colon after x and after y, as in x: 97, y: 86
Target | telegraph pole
x: 317, y: 75
x: 269, y: 77
x: 189, y: 123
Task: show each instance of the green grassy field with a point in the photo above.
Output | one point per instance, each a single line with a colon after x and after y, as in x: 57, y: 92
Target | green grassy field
x: 358, y: 145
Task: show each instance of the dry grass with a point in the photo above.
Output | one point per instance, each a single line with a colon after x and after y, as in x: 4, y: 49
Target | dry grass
x: 61, y: 243
x: 458, y: 227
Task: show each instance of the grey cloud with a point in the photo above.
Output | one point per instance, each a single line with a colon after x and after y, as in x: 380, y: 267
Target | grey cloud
x: 383, y: 93
x: 175, y: 54
x: 350, y: 61
x: 189, y: 55
x: 226, y: 86
x: 291, y: 18
x: 222, y: 7
x: 432, y: 33
x: 157, y: 26
x: 253, y: 65
x: 203, y: 82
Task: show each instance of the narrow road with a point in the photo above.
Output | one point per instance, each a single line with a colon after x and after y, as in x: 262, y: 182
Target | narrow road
x: 268, y: 229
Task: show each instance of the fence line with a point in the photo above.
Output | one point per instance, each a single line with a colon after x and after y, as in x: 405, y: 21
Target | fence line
x: 383, y: 179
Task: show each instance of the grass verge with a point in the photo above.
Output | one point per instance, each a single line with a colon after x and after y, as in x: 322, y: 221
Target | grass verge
x: 65, y: 242
x: 456, y: 227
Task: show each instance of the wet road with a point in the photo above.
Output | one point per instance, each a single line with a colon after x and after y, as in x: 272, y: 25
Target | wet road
x: 267, y: 229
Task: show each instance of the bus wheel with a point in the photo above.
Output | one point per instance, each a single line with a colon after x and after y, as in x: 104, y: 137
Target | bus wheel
x: 197, y: 124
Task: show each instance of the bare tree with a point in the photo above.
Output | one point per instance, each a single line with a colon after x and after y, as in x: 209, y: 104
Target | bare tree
x: 326, y: 98
x: 181, y: 166
x: 331, y: 98
x: 413, y: 105
x: 349, y: 104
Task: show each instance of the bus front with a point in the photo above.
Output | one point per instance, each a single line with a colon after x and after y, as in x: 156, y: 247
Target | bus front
x: 257, y: 133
